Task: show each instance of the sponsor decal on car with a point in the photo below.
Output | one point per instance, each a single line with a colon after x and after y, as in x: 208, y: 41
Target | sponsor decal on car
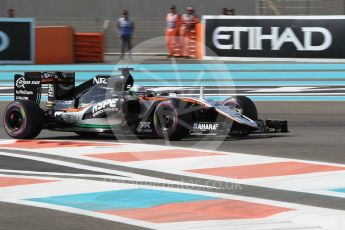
x: 21, y: 82
x: 144, y: 127
x: 51, y: 91
x: 82, y: 105
x: 24, y: 92
x: 68, y: 117
x: 48, y: 75
x: 68, y: 102
x: 108, y: 105
x: 206, y: 126
x: 52, y: 75
x: 22, y: 98
x: 71, y: 117
x: 100, y: 80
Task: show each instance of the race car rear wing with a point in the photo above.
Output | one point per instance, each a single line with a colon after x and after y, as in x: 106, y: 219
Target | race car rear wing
x: 29, y: 86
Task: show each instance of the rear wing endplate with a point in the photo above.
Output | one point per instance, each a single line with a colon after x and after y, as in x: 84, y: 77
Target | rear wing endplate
x: 29, y: 85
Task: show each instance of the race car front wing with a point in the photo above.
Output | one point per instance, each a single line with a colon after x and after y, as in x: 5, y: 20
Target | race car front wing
x: 272, y: 126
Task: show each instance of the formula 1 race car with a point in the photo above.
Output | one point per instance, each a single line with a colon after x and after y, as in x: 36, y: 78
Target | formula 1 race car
x: 113, y: 104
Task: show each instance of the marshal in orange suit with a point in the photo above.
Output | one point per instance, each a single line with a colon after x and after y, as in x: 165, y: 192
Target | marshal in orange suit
x: 188, y: 23
x: 172, y: 30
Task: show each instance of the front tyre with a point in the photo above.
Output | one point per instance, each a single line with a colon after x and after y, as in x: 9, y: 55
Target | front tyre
x: 244, y: 105
x: 23, y: 119
x: 247, y: 108
x: 170, y: 121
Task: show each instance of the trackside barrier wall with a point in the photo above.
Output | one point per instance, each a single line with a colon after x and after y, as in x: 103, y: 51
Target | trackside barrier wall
x: 270, y: 38
x: 192, y: 46
x: 199, y: 41
x: 89, y: 47
x: 54, y: 45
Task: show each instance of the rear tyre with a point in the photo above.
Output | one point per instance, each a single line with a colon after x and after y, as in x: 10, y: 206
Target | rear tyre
x: 170, y: 121
x: 247, y: 108
x: 23, y: 119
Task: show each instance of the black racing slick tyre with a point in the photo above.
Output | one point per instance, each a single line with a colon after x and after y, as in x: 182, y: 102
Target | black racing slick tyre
x: 23, y: 119
x: 171, y: 121
x: 247, y: 108
x: 244, y: 105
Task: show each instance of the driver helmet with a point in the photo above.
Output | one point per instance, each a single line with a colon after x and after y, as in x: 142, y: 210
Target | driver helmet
x: 137, y: 89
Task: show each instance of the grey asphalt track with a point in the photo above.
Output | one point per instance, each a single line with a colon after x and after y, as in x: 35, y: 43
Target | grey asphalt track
x: 317, y: 133
x: 20, y: 217
x: 15, y: 163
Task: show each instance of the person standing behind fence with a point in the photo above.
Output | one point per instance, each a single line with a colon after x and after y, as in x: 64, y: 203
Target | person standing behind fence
x: 187, y: 26
x: 232, y: 12
x: 125, y: 28
x: 172, y: 30
x: 10, y: 13
x: 225, y: 11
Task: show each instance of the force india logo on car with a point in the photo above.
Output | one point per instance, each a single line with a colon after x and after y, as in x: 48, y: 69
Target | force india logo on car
x: 21, y: 82
x: 104, y: 106
x: 206, y: 126
x: 144, y: 127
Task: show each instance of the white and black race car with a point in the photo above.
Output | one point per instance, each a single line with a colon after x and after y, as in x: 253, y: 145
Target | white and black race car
x: 113, y: 104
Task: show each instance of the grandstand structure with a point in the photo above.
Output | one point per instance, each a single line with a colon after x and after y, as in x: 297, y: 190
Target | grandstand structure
x: 149, y: 15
